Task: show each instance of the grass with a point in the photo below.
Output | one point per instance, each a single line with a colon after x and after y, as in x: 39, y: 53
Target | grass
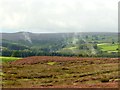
x: 70, y: 49
x: 8, y: 59
x: 51, y: 63
x: 108, y: 47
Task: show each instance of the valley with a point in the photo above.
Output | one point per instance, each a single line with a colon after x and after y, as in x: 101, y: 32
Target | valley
x: 89, y: 44
x: 59, y: 60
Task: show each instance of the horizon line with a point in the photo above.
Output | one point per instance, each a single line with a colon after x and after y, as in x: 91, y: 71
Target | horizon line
x: 62, y: 32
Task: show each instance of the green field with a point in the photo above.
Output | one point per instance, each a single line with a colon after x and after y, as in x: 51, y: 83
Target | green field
x: 108, y: 47
x: 8, y: 59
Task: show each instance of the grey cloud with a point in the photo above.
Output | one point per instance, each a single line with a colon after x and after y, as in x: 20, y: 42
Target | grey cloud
x: 58, y: 15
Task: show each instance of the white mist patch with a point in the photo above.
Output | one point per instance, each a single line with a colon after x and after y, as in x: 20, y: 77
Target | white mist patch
x: 93, y: 52
x: 27, y: 37
x: 75, y: 39
x: 75, y: 43
x: 66, y: 41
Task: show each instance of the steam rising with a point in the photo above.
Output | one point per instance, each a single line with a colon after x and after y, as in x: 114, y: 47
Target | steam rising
x: 75, y: 39
x: 91, y: 48
x: 71, y: 43
x: 27, y: 37
x: 74, y: 44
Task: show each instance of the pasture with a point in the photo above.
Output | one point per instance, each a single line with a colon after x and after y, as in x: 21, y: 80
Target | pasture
x: 108, y: 47
x: 8, y: 59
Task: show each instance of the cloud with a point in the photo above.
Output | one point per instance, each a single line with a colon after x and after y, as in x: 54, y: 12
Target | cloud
x: 58, y: 15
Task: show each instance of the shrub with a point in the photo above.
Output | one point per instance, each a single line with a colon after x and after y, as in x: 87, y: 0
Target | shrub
x: 104, y: 80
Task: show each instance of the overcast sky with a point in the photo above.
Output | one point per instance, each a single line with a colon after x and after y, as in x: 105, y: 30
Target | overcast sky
x: 59, y: 15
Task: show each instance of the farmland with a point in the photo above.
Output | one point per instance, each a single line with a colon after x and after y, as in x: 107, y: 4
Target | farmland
x: 8, y: 59
x: 48, y: 72
x: 108, y: 47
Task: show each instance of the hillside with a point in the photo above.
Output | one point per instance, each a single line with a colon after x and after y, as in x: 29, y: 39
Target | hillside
x: 23, y: 44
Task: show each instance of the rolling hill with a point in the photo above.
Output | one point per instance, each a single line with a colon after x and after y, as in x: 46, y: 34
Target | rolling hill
x: 22, y: 44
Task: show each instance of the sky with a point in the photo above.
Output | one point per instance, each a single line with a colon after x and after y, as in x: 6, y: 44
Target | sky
x: 58, y: 16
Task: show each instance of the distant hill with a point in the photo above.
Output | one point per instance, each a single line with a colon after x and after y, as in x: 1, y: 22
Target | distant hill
x: 28, y: 36
x: 67, y: 43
